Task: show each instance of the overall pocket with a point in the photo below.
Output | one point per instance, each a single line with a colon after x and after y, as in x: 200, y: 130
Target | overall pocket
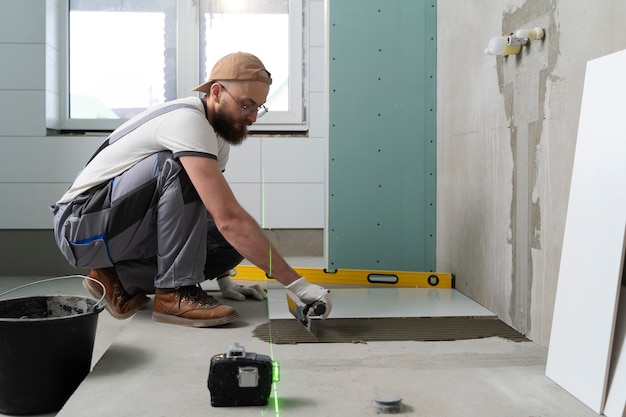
x: 83, y: 239
x: 92, y: 254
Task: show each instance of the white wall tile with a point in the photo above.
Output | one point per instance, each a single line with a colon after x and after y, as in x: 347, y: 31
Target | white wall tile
x: 23, y: 21
x: 249, y: 196
x: 293, y: 160
x: 45, y: 159
x: 53, y: 68
x: 317, y: 71
x: 22, y: 113
x: 53, y: 13
x: 317, y: 27
x: 25, y: 205
x: 53, y: 110
x: 23, y: 66
x: 244, y: 163
x: 318, y: 125
x: 294, y: 206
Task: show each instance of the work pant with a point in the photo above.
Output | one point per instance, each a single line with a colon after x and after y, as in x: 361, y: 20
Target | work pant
x: 148, y: 222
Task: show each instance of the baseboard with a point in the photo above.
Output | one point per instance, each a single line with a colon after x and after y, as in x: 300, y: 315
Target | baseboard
x: 26, y: 252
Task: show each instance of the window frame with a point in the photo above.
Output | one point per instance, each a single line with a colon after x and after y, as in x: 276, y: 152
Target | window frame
x: 188, y: 73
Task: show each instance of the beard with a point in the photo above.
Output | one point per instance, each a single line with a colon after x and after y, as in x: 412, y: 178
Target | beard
x: 231, y: 130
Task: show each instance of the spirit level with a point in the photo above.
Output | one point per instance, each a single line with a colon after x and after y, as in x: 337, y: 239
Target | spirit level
x: 360, y: 277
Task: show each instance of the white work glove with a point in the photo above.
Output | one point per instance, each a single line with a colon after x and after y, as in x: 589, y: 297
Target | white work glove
x: 310, y: 293
x: 239, y: 292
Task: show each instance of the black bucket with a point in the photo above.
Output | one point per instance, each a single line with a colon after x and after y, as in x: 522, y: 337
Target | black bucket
x: 46, y: 347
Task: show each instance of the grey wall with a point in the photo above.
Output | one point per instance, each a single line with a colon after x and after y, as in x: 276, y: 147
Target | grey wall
x: 507, y: 130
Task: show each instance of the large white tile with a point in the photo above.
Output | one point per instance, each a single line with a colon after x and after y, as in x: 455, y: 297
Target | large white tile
x: 593, y: 243
x: 616, y: 393
x: 389, y: 302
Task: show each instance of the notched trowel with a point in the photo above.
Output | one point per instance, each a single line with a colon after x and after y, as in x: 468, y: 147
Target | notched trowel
x: 301, y: 312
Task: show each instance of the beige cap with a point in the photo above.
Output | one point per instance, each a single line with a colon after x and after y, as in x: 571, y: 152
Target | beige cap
x: 240, y: 66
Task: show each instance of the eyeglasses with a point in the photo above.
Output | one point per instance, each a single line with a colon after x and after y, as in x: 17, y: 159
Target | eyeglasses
x: 260, y: 111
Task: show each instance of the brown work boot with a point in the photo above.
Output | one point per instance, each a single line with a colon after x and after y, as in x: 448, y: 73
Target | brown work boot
x: 191, y: 306
x: 117, y: 301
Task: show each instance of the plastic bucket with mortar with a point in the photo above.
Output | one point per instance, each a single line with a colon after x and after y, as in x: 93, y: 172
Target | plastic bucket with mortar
x: 46, y: 346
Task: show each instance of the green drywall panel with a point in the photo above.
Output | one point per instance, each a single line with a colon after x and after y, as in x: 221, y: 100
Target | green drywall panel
x: 382, y: 135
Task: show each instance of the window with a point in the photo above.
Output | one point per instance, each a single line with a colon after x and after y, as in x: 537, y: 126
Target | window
x: 123, y: 57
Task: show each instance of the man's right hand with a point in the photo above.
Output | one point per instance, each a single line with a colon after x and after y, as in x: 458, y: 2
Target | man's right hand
x: 310, y: 293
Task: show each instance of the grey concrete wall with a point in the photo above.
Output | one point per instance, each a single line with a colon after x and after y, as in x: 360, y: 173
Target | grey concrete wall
x: 507, y: 129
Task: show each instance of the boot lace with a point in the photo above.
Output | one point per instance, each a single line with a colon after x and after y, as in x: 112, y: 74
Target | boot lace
x: 194, y: 294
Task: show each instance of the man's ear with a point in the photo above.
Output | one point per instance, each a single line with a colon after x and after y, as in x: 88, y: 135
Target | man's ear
x: 215, y: 91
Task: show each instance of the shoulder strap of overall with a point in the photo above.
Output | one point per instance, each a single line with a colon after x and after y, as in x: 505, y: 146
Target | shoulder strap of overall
x: 119, y: 133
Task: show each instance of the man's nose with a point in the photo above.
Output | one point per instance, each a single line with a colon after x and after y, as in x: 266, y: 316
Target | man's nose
x: 251, y: 117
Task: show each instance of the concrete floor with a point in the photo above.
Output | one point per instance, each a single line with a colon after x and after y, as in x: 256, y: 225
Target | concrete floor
x: 145, y: 368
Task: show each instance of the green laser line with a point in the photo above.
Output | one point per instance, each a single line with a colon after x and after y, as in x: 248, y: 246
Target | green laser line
x: 263, y: 198
x: 274, y: 383
x: 271, y: 341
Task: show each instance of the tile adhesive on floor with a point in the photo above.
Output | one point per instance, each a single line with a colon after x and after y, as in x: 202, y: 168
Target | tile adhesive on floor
x: 283, y: 331
x: 362, y: 315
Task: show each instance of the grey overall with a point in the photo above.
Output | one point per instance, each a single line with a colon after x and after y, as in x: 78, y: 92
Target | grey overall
x: 148, y: 222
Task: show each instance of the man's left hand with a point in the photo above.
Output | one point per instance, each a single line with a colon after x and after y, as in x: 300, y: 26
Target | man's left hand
x: 239, y: 292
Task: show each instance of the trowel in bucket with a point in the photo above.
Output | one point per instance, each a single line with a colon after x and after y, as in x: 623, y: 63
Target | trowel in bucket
x: 301, y: 312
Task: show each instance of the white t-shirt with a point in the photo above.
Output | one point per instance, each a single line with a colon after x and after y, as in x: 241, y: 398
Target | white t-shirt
x: 184, y: 131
